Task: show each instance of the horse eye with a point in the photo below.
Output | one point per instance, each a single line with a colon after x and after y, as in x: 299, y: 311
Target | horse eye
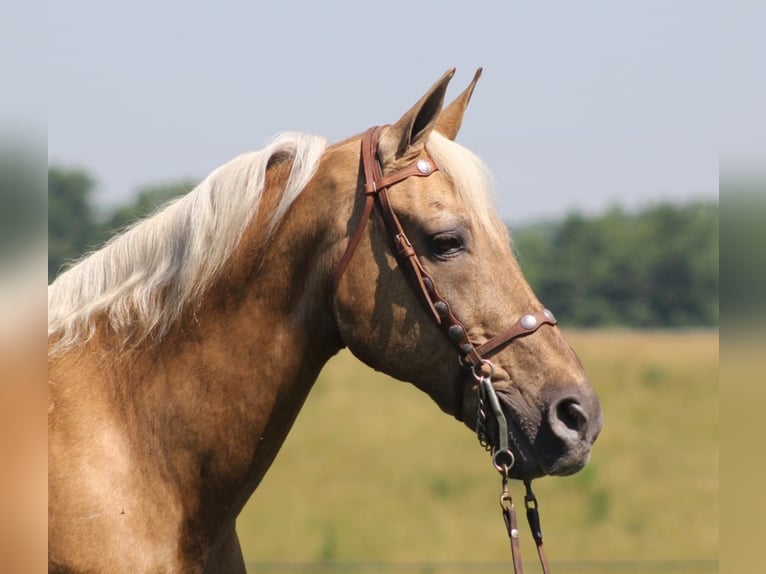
x: 446, y: 245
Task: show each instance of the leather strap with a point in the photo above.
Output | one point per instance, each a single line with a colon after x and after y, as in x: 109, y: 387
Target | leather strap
x: 374, y: 183
x: 520, y: 328
x: 376, y: 187
x: 533, y: 519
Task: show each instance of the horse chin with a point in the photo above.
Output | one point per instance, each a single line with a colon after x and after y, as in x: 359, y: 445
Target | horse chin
x: 569, y: 469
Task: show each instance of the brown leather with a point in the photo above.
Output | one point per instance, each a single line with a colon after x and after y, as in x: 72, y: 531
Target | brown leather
x: 533, y: 519
x: 491, y: 346
x: 374, y: 183
x: 376, y: 191
x: 512, y: 526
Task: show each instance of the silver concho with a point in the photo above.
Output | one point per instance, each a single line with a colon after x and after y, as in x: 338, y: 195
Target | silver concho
x: 528, y: 321
x: 424, y: 166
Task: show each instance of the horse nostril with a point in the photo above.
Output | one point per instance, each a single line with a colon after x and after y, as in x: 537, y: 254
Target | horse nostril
x: 568, y: 419
x: 574, y: 422
x: 569, y: 412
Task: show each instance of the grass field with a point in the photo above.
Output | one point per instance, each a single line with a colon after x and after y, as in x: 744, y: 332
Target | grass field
x: 374, y: 472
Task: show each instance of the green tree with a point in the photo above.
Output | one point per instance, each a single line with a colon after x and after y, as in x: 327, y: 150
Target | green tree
x: 658, y: 267
x: 72, y: 225
x: 74, y: 228
x: 22, y: 202
x: 683, y: 277
x: 148, y: 200
x: 743, y: 212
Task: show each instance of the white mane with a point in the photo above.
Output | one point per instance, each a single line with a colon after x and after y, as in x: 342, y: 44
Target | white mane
x: 144, y: 278
x: 470, y: 177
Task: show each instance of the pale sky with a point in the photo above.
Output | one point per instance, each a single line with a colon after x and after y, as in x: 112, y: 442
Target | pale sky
x: 582, y: 105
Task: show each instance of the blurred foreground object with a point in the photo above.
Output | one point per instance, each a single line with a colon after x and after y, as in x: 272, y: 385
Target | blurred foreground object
x: 743, y: 369
x: 23, y: 485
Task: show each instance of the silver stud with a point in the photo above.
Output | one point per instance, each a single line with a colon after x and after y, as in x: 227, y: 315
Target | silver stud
x: 455, y: 332
x: 424, y: 166
x: 528, y: 321
x: 514, y: 533
x: 549, y: 314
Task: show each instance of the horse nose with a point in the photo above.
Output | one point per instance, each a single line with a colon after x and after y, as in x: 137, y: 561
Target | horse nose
x: 575, y: 418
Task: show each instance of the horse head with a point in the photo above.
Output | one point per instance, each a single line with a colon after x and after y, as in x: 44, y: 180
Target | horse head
x: 418, y: 302
x: 181, y: 351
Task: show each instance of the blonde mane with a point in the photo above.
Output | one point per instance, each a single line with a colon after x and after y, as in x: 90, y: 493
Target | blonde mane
x: 143, y: 279
x: 470, y: 177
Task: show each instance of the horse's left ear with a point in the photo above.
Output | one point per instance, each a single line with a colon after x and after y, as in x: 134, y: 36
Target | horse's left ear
x: 409, y: 134
x: 451, y: 118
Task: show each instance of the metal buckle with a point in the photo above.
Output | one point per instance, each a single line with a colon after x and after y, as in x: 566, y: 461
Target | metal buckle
x: 502, y: 457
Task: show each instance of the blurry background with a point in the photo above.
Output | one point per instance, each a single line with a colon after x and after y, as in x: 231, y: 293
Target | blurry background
x: 603, y: 123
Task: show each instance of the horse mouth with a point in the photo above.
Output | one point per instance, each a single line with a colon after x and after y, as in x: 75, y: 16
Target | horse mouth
x: 527, y: 464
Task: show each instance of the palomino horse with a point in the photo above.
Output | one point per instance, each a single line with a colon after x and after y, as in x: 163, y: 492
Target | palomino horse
x: 181, y: 352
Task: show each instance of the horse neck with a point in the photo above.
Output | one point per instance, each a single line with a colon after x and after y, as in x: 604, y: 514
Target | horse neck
x: 237, y: 370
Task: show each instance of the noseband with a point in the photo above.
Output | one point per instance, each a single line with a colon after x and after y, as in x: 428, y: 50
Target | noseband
x: 474, y: 356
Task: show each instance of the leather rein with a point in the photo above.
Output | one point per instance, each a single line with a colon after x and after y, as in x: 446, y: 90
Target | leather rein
x: 473, y: 356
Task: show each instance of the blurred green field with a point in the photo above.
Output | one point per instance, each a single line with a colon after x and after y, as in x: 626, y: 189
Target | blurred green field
x: 373, y: 472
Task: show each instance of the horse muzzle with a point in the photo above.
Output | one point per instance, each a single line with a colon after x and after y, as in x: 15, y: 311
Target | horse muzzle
x: 556, y: 439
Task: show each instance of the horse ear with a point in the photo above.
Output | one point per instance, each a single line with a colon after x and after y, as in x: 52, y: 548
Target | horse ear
x: 451, y: 118
x: 409, y: 134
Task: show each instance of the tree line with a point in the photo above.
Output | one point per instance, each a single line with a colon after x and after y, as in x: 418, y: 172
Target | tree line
x: 657, y: 267
x: 74, y: 224
x: 654, y: 268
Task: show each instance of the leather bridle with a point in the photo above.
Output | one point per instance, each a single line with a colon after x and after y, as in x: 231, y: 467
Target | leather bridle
x: 376, y: 185
x: 473, y: 356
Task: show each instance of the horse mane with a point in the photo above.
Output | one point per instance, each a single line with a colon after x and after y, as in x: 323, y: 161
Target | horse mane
x: 143, y: 279
x: 470, y: 177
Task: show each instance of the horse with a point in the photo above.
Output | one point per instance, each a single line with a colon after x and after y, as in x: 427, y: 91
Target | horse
x: 180, y: 353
